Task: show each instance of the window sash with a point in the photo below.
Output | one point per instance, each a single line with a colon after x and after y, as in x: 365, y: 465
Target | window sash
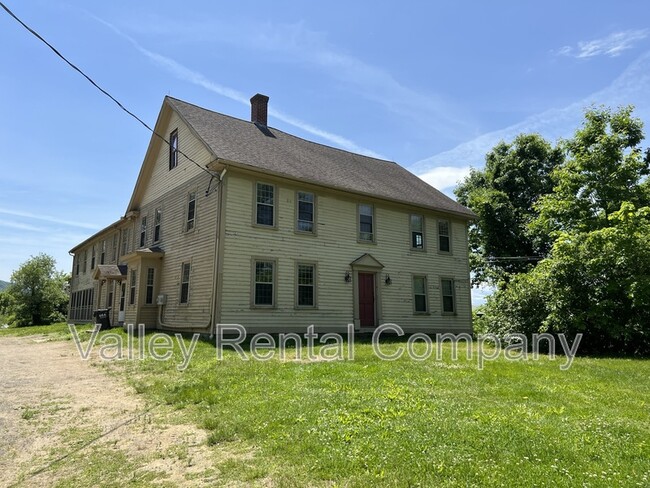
x: 265, y: 204
x: 114, y: 247
x: 417, y: 232
x: 306, y: 283
x: 448, y: 297
x: 132, y: 288
x: 420, y: 294
x: 156, y: 227
x: 143, y: 231
x: 185, y: 283
x: 150, y: 282
x: 366, y: 223
x: 305, y: 221
x: 444, y: 240
x: 264, y: 283
x: 173, y: 149
x: 191, y: 211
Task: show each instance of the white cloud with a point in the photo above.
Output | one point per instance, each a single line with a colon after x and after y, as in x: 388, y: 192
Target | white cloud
x: 186, y: 74
x: 20, y: 226
x: 443, y: 177
x: 612, y: 45
x: 47, y: 218
x: 632, y: 86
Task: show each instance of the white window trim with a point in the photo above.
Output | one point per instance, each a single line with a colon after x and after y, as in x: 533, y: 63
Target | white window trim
x: 374, y: 224
x: 275, y: 205
x: 427, y: 309
x: 274, y: 296
x: 297, y: 285
x: 453, y: 294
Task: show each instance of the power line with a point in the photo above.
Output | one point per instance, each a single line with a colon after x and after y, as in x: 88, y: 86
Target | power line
x: 514, y: 258
x: 92, y: 82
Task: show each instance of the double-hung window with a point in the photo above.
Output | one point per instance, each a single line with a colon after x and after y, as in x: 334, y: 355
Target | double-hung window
x: 156, y: 225
x: 185, y: 283
x: 265, y: 204
x: 306, y: 205
x: 444, y: 236
x: 420, y: 302
x: 417, y: 232
x: 143, y: 231
x: 264, y: 283
x: 448, y: 296
x: 306, y: 285
x: 191, y: 212
x: 132, y: 287
x: 366, y: 223
x: 151, y: 272
x: 173, y: 149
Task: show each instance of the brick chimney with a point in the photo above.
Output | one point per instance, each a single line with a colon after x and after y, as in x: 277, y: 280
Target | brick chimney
x: 259, y: 109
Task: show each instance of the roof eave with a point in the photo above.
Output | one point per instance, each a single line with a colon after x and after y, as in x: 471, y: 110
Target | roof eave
x: 97, y: 234
x: 469, y: 215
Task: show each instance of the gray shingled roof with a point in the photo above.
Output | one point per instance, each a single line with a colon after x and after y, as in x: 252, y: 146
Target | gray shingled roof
x: 245, y: 143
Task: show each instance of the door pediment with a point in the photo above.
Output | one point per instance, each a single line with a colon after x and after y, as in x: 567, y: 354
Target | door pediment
x: 366, y: 261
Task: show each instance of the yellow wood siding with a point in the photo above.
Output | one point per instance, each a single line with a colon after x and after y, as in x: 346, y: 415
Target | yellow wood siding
x: 164, y: 180
x: 334, y: 247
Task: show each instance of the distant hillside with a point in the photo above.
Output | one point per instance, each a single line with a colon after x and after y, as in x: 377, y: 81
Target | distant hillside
x: 3, y: 285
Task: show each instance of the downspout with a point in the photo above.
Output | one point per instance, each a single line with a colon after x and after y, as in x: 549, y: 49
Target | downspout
x: 213, y: 299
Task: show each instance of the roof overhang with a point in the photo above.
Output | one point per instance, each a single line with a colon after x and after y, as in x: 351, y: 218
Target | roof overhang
x: 219, y: 164
x: 146, y: 252
x: 105, y: 230
x: 110, y: 272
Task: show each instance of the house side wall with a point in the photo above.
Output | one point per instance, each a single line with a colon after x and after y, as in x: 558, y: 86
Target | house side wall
x: 333, y: 248
x: 80, y: 308
x: 196, y: 247
x: 162, y: 179
x: 168, y: 191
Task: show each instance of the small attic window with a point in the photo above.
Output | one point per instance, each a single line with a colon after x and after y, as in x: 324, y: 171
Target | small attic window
x: 173, y: 149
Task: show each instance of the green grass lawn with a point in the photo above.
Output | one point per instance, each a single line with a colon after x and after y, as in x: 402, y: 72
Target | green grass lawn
x: 408, y: 423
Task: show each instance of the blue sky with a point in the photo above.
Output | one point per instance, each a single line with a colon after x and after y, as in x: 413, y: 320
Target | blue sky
x: 431, y: 85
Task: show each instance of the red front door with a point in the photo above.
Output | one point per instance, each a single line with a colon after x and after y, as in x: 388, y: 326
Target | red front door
x: 367, y: 299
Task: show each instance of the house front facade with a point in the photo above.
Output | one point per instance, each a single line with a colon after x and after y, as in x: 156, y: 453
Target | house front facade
x: 235, y: 222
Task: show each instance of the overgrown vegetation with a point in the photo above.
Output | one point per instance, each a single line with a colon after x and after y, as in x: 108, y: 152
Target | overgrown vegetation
x: 565, y: 243
x: 37, y: 294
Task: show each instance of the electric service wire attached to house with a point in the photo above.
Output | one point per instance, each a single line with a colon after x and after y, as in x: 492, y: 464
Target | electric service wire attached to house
x: 92, y: 82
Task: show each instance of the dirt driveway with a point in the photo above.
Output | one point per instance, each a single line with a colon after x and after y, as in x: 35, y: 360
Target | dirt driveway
x: 66, y: 421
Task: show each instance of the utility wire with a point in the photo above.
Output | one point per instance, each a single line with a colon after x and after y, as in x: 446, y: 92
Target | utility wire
x: 514, y: 258
x: 92, y: 82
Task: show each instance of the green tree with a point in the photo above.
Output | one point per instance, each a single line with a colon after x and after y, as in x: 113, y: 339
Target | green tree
x: 37, y: 293
x: 595, y: 283
x: 504, y: 196
x: 605, y: 167
x: 596, y: 278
